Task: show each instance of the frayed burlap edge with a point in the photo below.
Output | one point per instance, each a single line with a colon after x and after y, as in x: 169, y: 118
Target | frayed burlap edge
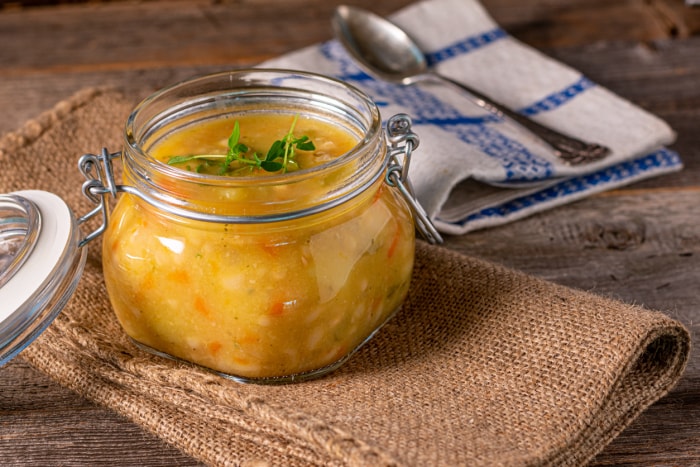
x: 32, y: 129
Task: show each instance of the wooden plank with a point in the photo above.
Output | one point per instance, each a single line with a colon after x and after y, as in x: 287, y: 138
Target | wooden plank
x: 110, y: 36
x: 616, y: 243
x: 42, y: 423
x: 656, y: 439
x: 567, y: 23
x: 153, y: 34
x: 682, y: 20
x: 26, y: 96
x: 575, y: 23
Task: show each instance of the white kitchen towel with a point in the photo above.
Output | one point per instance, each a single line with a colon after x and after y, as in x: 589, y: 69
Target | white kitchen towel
x: 475, y: 170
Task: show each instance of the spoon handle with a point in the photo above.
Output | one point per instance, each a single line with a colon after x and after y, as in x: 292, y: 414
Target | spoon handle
x: 571, y: 150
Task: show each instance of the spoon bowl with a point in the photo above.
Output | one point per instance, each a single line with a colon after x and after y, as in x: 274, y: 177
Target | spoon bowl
x: 384, y: 48
x: 388, y: 52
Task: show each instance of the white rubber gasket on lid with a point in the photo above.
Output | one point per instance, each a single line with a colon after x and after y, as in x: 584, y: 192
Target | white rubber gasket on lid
x: 52, y: 243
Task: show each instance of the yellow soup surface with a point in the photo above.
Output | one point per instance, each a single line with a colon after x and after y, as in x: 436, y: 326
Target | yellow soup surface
x: 261, y: 300
x: 258, y: 132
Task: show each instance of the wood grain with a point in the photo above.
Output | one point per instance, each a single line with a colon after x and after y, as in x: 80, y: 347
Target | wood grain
x: 640, y: 244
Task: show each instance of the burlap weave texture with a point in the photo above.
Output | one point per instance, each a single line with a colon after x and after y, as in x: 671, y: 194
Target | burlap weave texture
x: 482, y: 366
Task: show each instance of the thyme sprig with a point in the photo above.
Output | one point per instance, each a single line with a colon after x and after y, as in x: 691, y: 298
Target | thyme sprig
x: 281, y: 157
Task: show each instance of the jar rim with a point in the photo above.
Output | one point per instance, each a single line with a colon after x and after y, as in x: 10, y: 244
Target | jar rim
x: 371, y: 132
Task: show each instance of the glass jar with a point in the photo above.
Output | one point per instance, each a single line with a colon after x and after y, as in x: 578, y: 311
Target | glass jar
x: 264, y: 279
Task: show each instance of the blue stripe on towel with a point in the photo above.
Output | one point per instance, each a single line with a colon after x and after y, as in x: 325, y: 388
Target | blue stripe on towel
x: 559, y: 98
x: 615, y: 175
x: 518, y: 163
x: 464, y: 46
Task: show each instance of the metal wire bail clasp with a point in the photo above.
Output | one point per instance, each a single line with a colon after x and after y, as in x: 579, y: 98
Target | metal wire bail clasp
x: 99, y: 182
x: 402, y: 141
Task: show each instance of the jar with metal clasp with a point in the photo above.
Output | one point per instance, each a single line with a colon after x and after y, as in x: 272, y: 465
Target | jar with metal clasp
x: 261, y: 272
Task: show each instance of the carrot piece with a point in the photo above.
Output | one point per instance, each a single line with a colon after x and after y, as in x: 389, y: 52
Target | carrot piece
x: 269, y: 248
x: 180, y: 276
x: 276, y: 309
x: 248, y: 339
x: 146, y: 285
x: 378, y: 193
x: 394, y: 241
x: 201, y: 305
x: 214, y: 347
x: 241, y: 360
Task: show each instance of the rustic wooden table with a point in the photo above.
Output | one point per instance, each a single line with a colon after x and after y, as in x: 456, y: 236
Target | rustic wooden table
x: 640, y: 244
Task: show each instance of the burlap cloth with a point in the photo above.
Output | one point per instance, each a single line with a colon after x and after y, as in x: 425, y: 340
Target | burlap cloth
x: 483, y: 365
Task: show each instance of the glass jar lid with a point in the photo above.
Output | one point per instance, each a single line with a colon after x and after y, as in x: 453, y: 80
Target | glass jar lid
x: 40, y: 265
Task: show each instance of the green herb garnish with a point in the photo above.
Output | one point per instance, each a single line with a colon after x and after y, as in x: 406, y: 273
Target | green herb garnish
x: 280, y: 156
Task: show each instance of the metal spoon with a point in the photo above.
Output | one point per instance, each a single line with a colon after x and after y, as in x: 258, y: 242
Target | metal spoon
x: 386, y: 51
